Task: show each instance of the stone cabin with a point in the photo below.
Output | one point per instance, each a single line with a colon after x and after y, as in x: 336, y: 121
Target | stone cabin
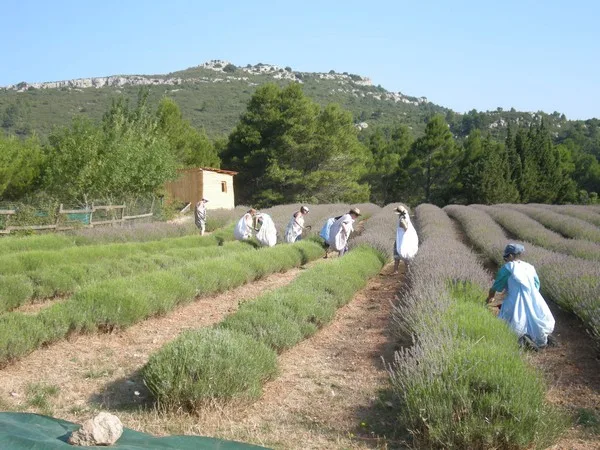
x: 216, y: 185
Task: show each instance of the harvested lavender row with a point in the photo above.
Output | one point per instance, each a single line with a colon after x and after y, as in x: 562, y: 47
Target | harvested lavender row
x: 527, y: 229
x: 571, y: 227
x: 570, y: 282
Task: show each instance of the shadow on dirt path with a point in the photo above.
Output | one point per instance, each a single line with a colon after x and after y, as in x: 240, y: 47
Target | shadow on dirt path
x: 327, y: 395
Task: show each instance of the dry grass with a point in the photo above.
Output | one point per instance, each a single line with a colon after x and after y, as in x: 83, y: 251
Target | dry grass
x: 68, y: 364
x: 328, y: 384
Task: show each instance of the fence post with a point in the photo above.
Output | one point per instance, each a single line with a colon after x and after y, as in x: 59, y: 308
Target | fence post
x: 60, y: 208
x: 91, y: 214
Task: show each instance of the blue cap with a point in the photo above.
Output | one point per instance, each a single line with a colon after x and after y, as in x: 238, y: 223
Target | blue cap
x: 513, y: 249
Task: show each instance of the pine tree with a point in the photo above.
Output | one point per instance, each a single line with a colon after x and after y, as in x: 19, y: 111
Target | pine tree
x: 434, y: 169
x: 529, y: 169
x: 515, y: 167
x: 288, y: 149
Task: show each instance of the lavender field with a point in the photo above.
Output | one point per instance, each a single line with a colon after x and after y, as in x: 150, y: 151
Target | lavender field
x: 568, y: 268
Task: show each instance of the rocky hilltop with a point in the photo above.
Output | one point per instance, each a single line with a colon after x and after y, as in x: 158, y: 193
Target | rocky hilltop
x: 346, y: 83
x: 211, y: 95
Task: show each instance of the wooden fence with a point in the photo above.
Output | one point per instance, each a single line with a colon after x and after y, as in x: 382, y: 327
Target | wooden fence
x: 116, y: 212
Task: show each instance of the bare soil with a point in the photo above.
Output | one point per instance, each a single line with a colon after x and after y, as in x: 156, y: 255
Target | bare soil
x: 101, y: 369
x: 326, y: 396
x: 328, y: 393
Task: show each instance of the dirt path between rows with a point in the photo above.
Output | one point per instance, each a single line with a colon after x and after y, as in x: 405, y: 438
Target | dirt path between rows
x: 572, y: 370
x: 100, y: 370
x: 326, y: 395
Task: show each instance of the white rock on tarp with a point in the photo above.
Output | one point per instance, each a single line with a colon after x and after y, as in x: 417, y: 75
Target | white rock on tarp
x: 104, y: 429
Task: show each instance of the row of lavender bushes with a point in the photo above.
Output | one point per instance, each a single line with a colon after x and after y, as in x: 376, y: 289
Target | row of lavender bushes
x: 571, y: 227
x: 233, y: 359
x: 463, y: 382
x: 135, y: 232
x: 523, y: 227
x: 121, y: 302
x: 64, y: 279
x: 583, y: 212
x: 570, y: 282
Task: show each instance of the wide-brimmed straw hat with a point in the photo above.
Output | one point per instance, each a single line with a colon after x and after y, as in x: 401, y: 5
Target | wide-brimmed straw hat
x: 400, y: 210
x: 355, y: 211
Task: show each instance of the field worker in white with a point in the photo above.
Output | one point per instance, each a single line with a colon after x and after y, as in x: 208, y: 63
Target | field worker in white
x: 200, y: 215
x: 293, y: 231
x: 407, y: 241
x: 243, y: 229
x: 267, y: 233
x: 523, y: 307
x: 341, y: 229
x: 324, y: 233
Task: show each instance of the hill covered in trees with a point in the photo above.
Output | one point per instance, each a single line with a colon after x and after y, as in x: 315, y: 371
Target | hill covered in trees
x: 294, y: 136
x: 211, y: 96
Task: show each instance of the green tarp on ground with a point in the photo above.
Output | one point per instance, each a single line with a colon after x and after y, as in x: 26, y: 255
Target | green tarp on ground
x: 25, y: 431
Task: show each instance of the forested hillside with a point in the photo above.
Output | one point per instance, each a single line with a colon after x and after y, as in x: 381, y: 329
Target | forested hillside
x: 315, y: 137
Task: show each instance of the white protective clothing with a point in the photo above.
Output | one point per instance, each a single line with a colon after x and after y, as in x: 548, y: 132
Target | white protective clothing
x: 243, y: 229
x: 407, y: 241
x: 340, y: 232
x: 325, y: 231
x: 267, y: 235
x: 294, y: 227
x: 524, y: 308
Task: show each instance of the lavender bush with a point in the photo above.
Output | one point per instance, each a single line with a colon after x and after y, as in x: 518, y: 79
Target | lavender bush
x: 568, y: 226
x: 527, y: 229
x: 583, y: 212
x: 462, y: 384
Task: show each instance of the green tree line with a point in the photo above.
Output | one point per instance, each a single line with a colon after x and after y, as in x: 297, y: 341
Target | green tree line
x: 132, y: 151
x: 288, y: 148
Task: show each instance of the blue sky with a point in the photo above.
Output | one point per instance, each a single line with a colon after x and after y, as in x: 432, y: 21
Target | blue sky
x: 459, y: 54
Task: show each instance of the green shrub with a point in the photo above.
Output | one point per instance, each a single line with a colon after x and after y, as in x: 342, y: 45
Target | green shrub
x: 267, y: 321
x: 14, y: 291
x: 19, y: 335
x: 10, y: 244
x: 121, y: 302
x: 277, y: 320
x: 207, y: 364
x: 38, y: 259
x: 65, y: 279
